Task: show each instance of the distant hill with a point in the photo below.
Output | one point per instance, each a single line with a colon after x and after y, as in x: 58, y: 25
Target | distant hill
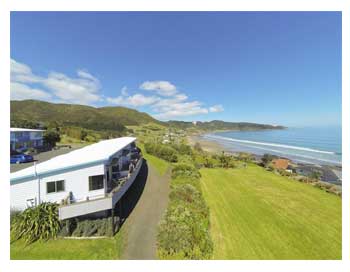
x: 30, y: 113
x: 98, y: 119
x: 222, y: 125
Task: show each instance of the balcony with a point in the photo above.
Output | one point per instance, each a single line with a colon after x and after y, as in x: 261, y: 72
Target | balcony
x: 116, y: 188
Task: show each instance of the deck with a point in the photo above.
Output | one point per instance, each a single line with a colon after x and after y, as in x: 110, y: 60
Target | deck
x: 101, y: 203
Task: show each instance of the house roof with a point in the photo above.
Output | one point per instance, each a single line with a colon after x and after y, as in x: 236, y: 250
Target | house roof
x: 24, y: 129
x: 280, y: 163
x: 89, y: 155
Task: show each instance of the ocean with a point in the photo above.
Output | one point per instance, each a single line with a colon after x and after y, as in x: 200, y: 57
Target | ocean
x: 316, y: 145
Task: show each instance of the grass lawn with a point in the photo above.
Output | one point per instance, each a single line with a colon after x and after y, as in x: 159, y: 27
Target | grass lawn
x: 62, y: 249
x: 256, y: 214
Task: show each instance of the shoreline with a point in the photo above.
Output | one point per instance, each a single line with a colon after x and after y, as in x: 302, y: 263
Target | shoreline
x: 215, y: 147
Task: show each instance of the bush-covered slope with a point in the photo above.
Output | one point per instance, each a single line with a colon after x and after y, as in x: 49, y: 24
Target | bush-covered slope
x: 105, y: 118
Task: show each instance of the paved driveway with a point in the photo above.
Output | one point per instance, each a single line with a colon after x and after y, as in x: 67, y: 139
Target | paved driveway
x: 44, y: 156
x: 141, y: 225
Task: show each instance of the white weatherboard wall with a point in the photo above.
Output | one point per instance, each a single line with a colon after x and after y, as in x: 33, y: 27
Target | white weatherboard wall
x: 20, y: 192
x: 76, y: 181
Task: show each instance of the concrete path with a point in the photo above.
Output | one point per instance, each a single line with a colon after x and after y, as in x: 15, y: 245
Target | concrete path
x: 141, y: 224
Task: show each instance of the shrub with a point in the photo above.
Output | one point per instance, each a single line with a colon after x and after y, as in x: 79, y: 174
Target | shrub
x: 190, y: 196
x: 51, y: 137
x: 90, y: 227
x: 183, y: 234
x: 185, y: 170
x: 90, y: 138
x: 40, y: 222
x: 198, y: 147
x: 13, y: 215
x: 184, y: 230
x: 162, y: 151
x: 183, y: 149
x: 204, y: 160
x: 267, y: 159
x: 245, y: 157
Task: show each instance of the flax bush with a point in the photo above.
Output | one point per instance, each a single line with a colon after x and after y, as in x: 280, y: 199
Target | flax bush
x: 38, y: 223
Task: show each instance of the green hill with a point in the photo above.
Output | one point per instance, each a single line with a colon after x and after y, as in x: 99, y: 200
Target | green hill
x: 35, y: 112
x: 32, y: 113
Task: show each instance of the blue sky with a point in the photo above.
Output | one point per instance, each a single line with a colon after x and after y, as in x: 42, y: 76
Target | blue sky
x: 279, y: 68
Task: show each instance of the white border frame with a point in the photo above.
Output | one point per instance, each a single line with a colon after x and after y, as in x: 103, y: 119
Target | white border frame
x: 160, y: 5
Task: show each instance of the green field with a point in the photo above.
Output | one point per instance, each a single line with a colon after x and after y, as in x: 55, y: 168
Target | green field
x: 256, y: 214
x: 62, y: 249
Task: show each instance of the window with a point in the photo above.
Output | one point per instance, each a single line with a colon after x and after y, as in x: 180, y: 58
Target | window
x: 95, y: 182
x: 55, y: 186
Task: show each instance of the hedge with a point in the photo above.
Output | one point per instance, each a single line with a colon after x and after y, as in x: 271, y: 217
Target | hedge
x: 184, y: 230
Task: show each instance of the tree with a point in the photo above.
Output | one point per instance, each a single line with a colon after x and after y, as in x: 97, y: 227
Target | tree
x: 266, y: 159
x: 51, y: 137
x: 315, y: 175
x: 224, y: 160
x: 83, y: 134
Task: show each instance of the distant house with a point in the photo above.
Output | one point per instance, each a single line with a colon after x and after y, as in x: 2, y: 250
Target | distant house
x: 24, y: 138
x: 280, y: 164
x: 86, y: 181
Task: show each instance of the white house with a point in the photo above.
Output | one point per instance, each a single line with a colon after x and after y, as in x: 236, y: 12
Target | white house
x: 85, y: 181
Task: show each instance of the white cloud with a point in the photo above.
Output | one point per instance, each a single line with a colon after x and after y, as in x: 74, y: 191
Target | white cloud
x: 216, y: 108
x: 22, y: 73
x: 165, y: 104
x: 182, y: 111
x: 136, y: 100
x: 163, y: 88
x: 21, y: 91
x: 83, y: 89
x: 124, y: 91
x: 168, y: 111
x: 166, y: 107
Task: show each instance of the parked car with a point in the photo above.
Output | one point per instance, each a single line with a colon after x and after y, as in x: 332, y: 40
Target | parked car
x: 21, y: 158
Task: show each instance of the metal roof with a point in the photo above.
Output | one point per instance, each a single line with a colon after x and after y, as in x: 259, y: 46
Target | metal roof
x: 24, y: 129
x: 88, y: 155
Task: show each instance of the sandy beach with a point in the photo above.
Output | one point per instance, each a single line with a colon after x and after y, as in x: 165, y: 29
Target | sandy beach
x: 209, y: 146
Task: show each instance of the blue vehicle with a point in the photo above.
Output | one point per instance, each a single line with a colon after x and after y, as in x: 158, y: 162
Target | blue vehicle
x: 21, y: 158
